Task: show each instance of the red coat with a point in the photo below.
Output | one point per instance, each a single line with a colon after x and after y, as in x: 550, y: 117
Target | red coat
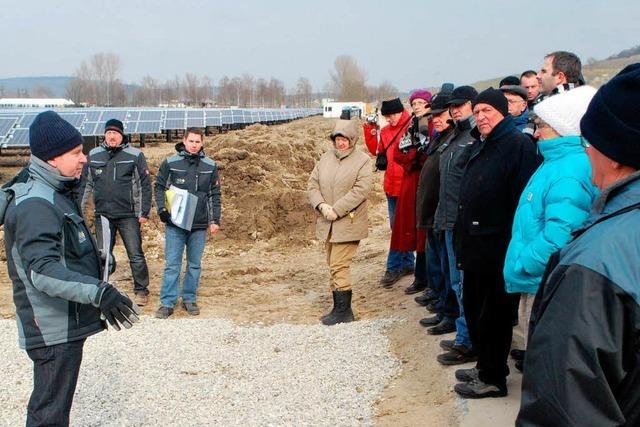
x: 404, y: 235
x: 393, y: 174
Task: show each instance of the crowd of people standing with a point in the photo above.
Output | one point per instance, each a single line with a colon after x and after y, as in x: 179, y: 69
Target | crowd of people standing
x: 519, y: 206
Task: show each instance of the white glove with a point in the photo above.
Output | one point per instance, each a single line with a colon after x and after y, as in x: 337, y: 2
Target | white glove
x: 328, y: 212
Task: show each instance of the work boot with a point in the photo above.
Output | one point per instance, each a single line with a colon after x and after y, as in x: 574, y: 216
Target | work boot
x: 458, y: 354
x: 477, y: 389
x: 447, y: 344
x: 342, y: 312
x: 405, y: 271
x: 432, y: 307
x: 141, y: 299
x: 444, y: 327
x: 333, y: 310
x: 191, y: 308
x: 164, y: 312
x: 467, y: 375
x: 415, y: 287
x: 389, y: 278
x: 426, y: 297
x: 430, y: 321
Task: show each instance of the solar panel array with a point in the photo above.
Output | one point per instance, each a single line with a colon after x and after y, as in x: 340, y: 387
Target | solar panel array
x: 14, y: 124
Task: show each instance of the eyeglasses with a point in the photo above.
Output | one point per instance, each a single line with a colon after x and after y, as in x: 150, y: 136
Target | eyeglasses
x: 584, y: 143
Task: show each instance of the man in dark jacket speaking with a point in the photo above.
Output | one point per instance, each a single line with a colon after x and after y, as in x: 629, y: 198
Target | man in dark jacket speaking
x: 582, y: 363
x: 55, y: 268
x: 118, y: 176
x: 500, y: 164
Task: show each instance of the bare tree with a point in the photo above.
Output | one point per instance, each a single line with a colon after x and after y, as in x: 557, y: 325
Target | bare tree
x: 191, y: 85
x: 385, y: 91
x: 303, y: 92
x: 348, y: 80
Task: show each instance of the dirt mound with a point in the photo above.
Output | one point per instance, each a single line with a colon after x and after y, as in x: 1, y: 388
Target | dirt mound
x: 264, y: 172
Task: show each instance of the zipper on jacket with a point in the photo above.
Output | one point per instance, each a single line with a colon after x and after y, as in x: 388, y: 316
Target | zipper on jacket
x: 77, y: 314
x: 197, y: 183
x: 115, y: 165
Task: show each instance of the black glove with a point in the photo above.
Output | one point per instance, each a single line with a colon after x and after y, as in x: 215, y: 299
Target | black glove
x: 165, y: 216
x: 116, y: 307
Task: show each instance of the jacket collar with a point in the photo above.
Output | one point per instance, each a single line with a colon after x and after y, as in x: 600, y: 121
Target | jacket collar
x: 506, y: 125
x: 42, y: 171
x: 466, y: 124
x: 522, y: 119
x: 124, y: 144
x: 617, y: 196
x: 552, y: 149
x: 184, y: 153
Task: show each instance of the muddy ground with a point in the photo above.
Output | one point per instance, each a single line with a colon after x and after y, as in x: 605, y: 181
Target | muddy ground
x: 266, y: 265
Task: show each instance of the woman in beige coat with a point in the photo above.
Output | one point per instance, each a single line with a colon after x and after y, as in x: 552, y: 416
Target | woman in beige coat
x: 338, y: 189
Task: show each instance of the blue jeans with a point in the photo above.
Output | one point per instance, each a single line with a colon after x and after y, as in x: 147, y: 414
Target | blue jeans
x: 397, y: 260
x: 55, y: 374
x: 455, y: 281
x: 446, y: 305
x: 175, y: 240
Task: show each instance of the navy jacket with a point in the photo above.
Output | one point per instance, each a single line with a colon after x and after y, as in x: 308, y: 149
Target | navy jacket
x: 119, y: 180
x: 197, y: 174
x: 498, y: 169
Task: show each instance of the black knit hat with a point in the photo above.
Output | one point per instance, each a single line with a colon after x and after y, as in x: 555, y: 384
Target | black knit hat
x: 612, y: 121
x: 462, y: 94
x: 391, y: 106
x: 114, y: 124
x: 50, y: 136
x: 495, y: 98
x: 439, y: 102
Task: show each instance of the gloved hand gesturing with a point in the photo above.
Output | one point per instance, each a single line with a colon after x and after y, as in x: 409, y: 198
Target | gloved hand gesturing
x: 116, y: 307
x: 328, y: 212
x: 165, y: 216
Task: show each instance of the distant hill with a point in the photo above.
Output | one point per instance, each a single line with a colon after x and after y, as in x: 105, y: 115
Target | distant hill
x: 56, y: 84
x: 627, y: 53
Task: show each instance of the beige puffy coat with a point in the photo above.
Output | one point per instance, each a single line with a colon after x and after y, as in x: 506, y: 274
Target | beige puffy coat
x: 343, y: 183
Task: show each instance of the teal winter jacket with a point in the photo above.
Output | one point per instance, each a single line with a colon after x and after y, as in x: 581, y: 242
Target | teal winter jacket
x: 555, y: 202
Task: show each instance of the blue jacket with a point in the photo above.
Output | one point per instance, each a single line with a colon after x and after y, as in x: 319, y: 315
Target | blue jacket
x: 554, y: 203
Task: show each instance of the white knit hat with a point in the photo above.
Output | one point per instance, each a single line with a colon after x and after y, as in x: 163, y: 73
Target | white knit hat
x: 563, y: 111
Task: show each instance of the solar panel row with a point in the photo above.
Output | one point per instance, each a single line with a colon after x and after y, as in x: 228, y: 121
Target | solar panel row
x: 14, y: 124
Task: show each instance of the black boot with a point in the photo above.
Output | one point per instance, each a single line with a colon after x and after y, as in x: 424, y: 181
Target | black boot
x: 342, y: 312
x: 333, y: 310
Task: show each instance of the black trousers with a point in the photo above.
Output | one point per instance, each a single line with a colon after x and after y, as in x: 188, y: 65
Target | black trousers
x: 129, y: 229
x: 55, y: 375
x: 488, y: 309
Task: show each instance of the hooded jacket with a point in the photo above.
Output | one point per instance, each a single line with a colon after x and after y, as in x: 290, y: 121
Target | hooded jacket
x: 196, y: 173
x: 555, y: 202
x: 581, y: 364
x: 119, y: 179
x: 343, y: 180
x: 389, y: 135
x: 52, y: 259
x: 498, y: 169
x: 524, y: 125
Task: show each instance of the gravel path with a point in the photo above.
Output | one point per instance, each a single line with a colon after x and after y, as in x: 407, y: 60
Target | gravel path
x: 214, y: 372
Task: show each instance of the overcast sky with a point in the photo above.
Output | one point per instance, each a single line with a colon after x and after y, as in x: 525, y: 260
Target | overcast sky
x: 410, y: 43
